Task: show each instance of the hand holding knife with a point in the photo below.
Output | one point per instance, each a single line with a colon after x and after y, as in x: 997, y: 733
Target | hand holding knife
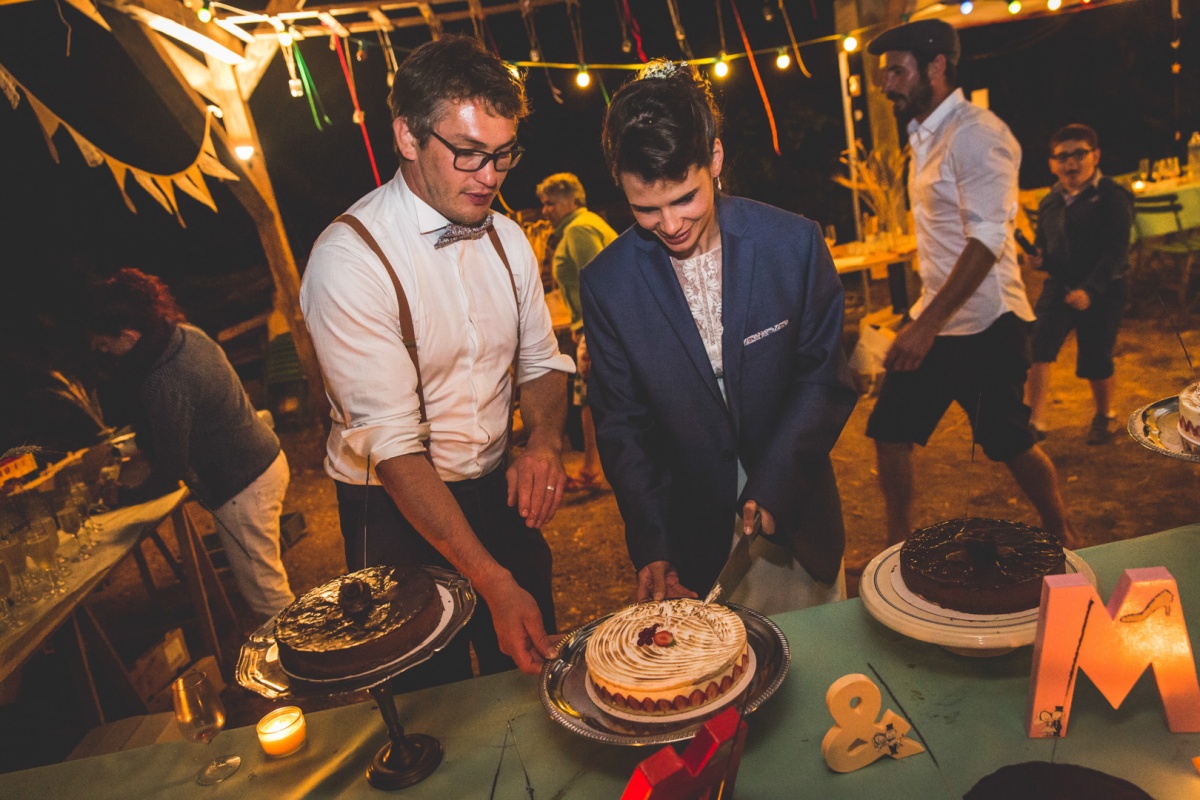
x: 755, y: 520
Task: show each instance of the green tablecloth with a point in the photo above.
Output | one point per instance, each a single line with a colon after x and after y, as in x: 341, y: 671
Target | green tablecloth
x: 970, y: 712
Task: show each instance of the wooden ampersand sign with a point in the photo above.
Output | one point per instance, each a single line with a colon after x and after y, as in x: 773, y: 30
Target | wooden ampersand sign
x: 860, y: 736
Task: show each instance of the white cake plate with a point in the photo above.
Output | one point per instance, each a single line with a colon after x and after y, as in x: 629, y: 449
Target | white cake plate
x: 889, y: 601
x: 1154, y: 427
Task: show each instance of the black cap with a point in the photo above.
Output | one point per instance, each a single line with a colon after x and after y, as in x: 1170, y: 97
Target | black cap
x: 927, y: 36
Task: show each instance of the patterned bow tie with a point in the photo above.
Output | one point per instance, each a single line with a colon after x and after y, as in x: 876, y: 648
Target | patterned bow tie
x: 453, y: 233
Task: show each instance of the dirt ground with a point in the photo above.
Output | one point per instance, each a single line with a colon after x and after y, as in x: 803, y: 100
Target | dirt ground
x: 1116, y: 491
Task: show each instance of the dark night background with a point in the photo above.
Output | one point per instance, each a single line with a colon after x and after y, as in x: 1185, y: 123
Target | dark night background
x: 1109, y: 66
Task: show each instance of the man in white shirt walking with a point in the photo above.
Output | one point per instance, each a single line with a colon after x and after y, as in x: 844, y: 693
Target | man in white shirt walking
x: 968, y: 340
x: 424, y: 308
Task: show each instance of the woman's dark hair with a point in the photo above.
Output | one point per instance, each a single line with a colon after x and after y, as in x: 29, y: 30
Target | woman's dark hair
x: 661, y: 124
x: 449, y: 70
x: 1075, y: 132
x: 131, y: 300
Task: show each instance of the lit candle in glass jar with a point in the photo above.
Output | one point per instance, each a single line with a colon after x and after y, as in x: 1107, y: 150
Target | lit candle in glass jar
x: 282, y: 732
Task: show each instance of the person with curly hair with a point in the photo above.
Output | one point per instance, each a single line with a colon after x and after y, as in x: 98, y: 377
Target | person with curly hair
x: 196, y: 424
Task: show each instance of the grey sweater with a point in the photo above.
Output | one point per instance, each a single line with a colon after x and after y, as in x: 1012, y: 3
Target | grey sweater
x: 197, y: 423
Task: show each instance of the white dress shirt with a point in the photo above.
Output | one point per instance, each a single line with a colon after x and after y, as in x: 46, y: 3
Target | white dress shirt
x: 963, y: 185
x: 465, y: 319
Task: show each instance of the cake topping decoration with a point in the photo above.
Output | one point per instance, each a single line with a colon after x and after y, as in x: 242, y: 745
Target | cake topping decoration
x: 646, y: 635
x: 664, y: 639
x: 354, y: 598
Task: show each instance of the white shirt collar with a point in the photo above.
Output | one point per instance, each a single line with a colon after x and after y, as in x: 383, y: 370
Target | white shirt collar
x: 429, y: 220
x: 923, y: 130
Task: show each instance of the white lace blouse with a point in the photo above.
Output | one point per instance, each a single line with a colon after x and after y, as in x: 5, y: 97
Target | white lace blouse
x: 700, y: 277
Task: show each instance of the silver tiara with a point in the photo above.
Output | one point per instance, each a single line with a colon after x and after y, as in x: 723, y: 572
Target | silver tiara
x: 660, y: 68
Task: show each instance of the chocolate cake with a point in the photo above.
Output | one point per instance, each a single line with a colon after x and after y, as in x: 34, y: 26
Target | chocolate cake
x: 1041, y: 780
x: 980, y: 566
x: 357, y: 622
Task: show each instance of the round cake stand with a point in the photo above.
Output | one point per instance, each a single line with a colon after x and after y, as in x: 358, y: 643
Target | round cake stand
x: 406, y: 759
x: 1155, y: 428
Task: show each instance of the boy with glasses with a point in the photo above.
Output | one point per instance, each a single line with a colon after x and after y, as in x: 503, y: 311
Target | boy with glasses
x: 424, y: 309
x: 1083, y: 244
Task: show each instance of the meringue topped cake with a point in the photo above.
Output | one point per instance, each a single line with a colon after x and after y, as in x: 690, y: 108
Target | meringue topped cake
x: 1189, y: 417
x: 357, y: 622
x: 667, y: 656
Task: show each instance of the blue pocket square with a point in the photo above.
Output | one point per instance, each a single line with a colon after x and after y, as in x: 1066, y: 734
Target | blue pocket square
x: 749, y: 340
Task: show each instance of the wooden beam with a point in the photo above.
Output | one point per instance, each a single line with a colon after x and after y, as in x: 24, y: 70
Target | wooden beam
x: 253, y: 191
x: 431, y: 19
x: 194, y: 72
x: 174, y: 12
x: 381, y: 20
x: 258, y: 58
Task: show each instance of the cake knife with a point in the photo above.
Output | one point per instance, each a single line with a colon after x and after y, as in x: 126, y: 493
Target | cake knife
x: 735, y: 566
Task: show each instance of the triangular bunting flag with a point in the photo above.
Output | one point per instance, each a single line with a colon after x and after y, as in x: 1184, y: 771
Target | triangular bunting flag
x: 48, y: 121
x: 166, y: 185
x: 209, y: 165
x: 8, y: 85
x: 118, y: 169
x: 91, y: 154
x: 86, y: 8
x: 146, y: 181
x: 192, y: 184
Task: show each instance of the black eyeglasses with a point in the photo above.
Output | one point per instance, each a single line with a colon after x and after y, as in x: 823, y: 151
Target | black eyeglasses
x: 1073, y: 155
x: 474, y: 160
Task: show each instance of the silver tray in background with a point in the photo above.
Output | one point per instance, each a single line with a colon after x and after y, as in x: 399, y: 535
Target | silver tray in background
x: 1154, y: 427
x: 564, y: 692
x: 259, y: 671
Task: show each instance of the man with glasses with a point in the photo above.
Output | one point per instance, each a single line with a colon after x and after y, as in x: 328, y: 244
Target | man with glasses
x: 1083, y: 245
x: 968, y: 339
x: 424, y: 309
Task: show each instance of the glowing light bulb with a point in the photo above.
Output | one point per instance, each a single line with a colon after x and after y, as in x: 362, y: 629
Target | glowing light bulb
x: 849, y: 44
x: 582, y: 78
x: 285, y: 39
x: 204, y: 13
x: 244, y: 151
x: 782, y: 59
x: 1014, y: 7
x: 1054, y: 5
x: 296, y: 87
x: 966, y: 6
x: 215, y: 110
x: 721, y: 68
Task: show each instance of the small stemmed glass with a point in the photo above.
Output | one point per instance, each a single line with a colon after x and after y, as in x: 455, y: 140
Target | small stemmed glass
x: 7, y: 618
x: 201, y: 716
x: 72, y: 524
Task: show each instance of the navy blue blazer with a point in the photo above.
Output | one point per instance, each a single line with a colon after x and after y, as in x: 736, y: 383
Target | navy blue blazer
x: 668, y: 440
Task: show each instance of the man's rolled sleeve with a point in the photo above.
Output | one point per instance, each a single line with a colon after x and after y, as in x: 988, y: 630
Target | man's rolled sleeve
x: 351, y: 312
x: 987, y: 163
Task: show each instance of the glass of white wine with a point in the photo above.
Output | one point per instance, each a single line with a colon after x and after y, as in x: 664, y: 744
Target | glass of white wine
x: 201, y: 716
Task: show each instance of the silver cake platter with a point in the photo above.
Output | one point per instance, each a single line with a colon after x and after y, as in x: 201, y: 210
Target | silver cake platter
x: 258, y: 667
x: 1154, y: 427
x: 563, y: 688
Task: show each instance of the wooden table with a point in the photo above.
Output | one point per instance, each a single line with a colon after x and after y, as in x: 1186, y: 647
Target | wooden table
x: 119, y: 535
x: 875, y: 264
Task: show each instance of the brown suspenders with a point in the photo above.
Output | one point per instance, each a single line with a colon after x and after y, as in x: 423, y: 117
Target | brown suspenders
x: 408, y: 332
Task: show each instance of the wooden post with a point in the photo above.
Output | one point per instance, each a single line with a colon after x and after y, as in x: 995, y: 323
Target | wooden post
x: 253, y: 190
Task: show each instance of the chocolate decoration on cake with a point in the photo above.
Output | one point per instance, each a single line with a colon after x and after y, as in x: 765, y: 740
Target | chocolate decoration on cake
x: 980, y: 566
x: 357, y: 622
x: 354, y: 598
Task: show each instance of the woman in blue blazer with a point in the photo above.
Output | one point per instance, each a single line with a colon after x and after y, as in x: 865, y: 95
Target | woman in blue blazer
x: 719, y: 384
